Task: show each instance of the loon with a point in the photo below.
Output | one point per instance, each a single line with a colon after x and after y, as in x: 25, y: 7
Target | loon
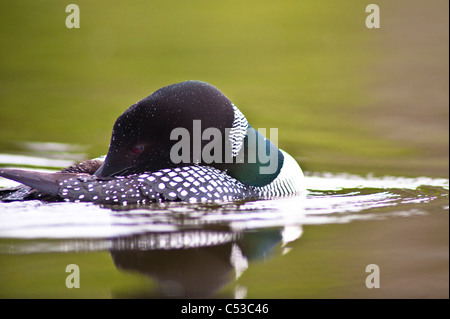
x: 222, y: 157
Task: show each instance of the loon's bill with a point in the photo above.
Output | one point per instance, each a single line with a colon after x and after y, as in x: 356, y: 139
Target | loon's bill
x: 139, y: 167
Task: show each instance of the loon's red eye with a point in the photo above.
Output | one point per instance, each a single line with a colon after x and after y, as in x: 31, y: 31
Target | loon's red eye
x: 138, y: 149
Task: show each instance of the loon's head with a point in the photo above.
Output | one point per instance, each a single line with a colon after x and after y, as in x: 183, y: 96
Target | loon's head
x: 189, y: 123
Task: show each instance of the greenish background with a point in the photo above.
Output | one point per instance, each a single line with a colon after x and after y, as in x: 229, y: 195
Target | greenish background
x: 307, y: 68
x: 344, y: 98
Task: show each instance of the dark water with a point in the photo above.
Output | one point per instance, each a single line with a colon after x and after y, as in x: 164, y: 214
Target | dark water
x: 240, y: 250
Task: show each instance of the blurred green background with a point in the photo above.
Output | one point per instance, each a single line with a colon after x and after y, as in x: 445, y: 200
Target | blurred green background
x: 309, y: 68
x: 344, y: 98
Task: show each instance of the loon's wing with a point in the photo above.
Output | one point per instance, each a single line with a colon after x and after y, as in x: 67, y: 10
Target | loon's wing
x: 188, y: 184
x: 44, y: 182
x: 23, y: 192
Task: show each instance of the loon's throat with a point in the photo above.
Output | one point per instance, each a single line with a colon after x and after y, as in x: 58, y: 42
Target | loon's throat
x: 258, y: 162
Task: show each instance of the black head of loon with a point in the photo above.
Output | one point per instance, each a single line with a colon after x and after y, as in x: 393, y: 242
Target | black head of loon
x: 189, y: 123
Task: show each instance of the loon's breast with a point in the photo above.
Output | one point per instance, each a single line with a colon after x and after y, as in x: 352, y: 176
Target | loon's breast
x: 289, y: 182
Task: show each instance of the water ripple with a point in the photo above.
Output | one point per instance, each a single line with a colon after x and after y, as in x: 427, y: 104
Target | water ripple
x: 332, y: 198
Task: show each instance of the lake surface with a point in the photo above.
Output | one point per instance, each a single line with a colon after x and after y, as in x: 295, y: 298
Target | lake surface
x: 217, y: 250
x: 364, y: 111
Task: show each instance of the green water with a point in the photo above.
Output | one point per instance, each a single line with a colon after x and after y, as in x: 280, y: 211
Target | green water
x: 345, y: 99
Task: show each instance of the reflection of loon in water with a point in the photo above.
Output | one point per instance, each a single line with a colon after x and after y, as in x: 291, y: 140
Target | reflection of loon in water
x: 194, y: 263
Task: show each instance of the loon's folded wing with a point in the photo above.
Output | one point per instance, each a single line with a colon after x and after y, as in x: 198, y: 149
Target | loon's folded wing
x: 187, y: 184
x: 43, y: 182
